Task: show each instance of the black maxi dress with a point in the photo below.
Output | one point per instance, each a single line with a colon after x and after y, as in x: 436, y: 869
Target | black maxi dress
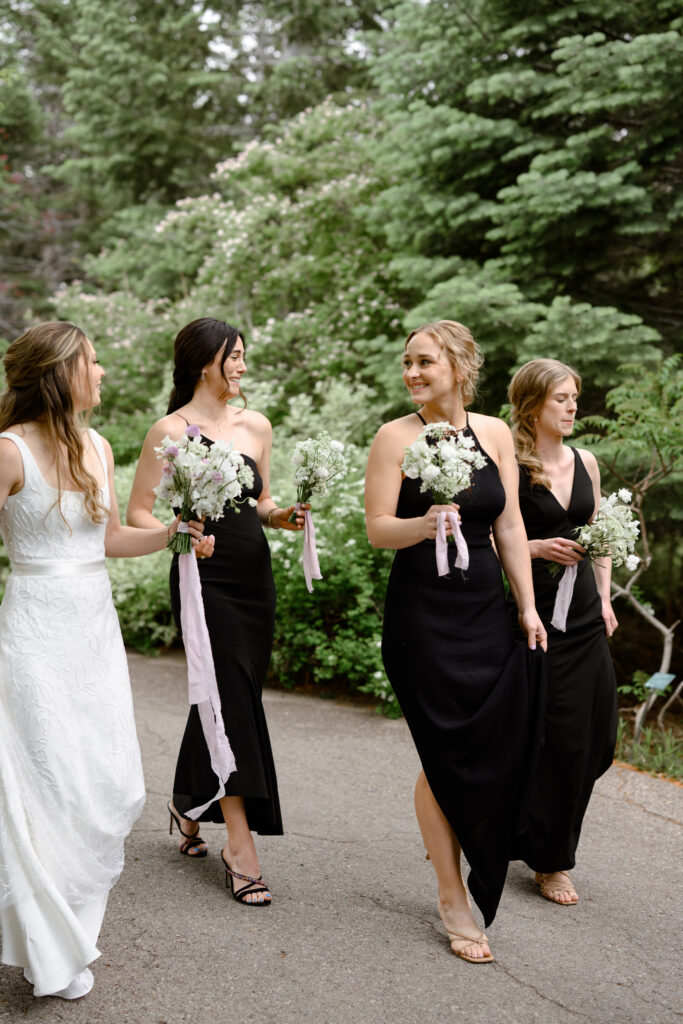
x: 581, y: 717
x: 239, y: 604
x: 472, y: 696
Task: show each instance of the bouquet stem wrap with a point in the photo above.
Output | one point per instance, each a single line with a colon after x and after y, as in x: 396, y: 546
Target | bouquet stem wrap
x: 462, y: 559
x: 310, y: 559
x: 563, y: 598
x: 201, y: 675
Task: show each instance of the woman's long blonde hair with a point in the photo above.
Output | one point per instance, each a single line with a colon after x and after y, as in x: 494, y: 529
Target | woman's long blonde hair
x: 527, y: 392
x: 41, y: 366
x: 461, y: 350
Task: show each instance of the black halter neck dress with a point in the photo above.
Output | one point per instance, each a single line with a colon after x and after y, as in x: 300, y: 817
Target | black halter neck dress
x: 471, y: 695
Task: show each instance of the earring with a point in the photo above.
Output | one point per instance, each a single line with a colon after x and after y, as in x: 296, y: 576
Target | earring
x: 203, y: 375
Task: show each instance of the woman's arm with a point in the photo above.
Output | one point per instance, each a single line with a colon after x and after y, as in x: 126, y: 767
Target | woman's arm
x: 602, y: 569
x: 268, y: 511
x: 511, y: 540
x: 147, y: 476
x: 382, y: 486
x: 139, y: 512
x: 128, y: 541
x: 11, y: 469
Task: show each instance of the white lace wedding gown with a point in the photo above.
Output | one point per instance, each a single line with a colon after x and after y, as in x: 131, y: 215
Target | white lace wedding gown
x: 71, y: 782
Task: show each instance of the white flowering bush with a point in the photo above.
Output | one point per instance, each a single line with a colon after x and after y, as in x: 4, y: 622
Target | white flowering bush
x: 443, y: 459
x: 200, y: 479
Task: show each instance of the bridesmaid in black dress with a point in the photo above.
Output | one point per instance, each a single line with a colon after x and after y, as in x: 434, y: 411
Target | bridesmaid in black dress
x: 559, y: 490
x: 239, y: 604
x: 470, y: 694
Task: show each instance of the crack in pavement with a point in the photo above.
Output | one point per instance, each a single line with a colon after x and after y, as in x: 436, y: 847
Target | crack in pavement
x: 541, y: 995
x: 634, y: 803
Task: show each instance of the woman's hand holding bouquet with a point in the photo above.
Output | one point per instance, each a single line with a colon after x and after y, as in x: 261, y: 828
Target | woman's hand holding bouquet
x: 444, y: 460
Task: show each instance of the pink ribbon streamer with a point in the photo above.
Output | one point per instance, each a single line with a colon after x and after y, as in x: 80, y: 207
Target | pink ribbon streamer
x: 462, y: 558
x: 310, y: 559
x: 563, y: 598
x: 201, y: 676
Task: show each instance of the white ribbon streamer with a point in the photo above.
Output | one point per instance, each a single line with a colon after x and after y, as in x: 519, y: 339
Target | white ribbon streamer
x: 563, y: 598
x: 310, y: 557
x: 462, y: 559
x: 201, y: 676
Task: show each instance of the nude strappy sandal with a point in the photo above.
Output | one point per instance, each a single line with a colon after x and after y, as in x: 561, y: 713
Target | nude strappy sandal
x: 460, y: 942
x: 550, y: 888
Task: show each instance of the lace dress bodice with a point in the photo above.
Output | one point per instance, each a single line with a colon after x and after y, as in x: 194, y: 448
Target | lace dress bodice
x: 39, y: 526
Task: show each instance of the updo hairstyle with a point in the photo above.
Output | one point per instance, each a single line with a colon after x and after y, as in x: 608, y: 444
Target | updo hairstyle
x: 461, y: 350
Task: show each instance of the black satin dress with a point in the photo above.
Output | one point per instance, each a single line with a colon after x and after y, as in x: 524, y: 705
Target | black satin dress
x: 239, y: 605
x: 581, y: 717
x: 472, y: 696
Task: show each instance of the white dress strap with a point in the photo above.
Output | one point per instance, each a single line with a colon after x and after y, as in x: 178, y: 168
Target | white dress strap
x: 99, y: 447
x: 31, y: 469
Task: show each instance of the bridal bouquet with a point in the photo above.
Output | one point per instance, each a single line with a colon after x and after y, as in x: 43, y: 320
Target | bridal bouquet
x: 199, y: 479
x: 444, y: 460
x: 316, y: 461
x: 612, y: 534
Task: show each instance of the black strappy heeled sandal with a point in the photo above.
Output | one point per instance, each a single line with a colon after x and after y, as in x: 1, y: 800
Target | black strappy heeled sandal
x: 246, y: 890
x: 191, y: 842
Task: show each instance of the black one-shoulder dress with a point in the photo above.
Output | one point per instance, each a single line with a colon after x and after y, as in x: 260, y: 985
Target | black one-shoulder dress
x: 472, y: 696
x: 239, y: 604
x: 581, y: 717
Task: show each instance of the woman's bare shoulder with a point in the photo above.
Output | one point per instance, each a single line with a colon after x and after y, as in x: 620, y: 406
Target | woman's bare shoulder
x: 253, y: 420
x: 173, y: 425
x: 493, y: 424
x: 401, y: 428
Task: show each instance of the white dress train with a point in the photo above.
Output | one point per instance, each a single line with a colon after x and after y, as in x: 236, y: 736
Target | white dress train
x: 71, y: 782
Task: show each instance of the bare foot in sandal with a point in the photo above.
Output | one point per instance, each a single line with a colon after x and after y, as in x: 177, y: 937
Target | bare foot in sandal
x: 191, y: 843
x: 557, y: 887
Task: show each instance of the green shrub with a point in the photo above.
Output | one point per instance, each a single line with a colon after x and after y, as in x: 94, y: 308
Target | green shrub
x: 332, y: 637
x: 658, y: 751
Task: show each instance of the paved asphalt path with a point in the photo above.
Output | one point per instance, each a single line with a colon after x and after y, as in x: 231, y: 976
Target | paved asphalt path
x: 353, y: 936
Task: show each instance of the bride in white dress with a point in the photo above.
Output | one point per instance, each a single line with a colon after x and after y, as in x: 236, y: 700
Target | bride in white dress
x: 71, y: 782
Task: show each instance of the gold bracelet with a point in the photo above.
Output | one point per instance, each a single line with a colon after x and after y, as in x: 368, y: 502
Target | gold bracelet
x: 268, y: 522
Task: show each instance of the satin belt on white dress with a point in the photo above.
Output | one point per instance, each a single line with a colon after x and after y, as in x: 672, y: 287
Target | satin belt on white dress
x: 57, y: 568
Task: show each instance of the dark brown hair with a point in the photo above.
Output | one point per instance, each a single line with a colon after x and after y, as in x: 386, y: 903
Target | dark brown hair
x: 196, y: 345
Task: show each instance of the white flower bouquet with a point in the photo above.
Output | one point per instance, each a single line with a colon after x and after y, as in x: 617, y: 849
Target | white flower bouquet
x: 316, y: 461
x: 445, y: 466
x: 444, y: 460
x: 200, y: 479
x: 612, y: 534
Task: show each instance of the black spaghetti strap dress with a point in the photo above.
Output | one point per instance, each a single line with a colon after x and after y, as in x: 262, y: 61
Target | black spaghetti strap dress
x: 472, y: 696
x: 239, y: 604
x: 581, y: 717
